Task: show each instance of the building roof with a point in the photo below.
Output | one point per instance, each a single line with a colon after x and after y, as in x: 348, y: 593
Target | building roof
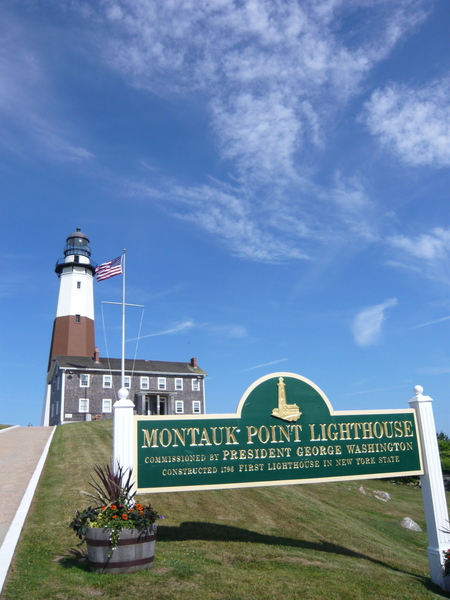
x: 85, y: 363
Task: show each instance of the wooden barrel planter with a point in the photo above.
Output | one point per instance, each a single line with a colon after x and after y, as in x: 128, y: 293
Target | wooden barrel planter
x: 135, y: 550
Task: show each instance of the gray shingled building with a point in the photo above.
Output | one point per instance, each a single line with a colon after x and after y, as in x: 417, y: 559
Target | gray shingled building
x: 84, y: 388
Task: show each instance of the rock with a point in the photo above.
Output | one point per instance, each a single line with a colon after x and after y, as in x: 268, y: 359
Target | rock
x: 362, y: 490
x: 384, y: 496
x: 408, y: 523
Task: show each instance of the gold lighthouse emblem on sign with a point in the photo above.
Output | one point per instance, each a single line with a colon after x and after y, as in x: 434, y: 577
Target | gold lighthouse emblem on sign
x: 285, y: 411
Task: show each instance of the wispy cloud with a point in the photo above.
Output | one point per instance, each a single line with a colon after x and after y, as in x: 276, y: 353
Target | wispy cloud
x: 176, y: 329
x: 367, y: 324
x: 435, y: 370
x: 269, y: 364
x: 222, y: 330
x: 432, y: 322
x: 413, y: 123
x: 373, y: 390
x: 30, y: 118
x: 273, y: 76
x: 227, y: 331
x: 429, y: 253
x: 427, y: 246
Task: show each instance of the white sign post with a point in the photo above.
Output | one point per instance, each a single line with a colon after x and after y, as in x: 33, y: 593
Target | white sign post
x: 433, y: 491
x: 123, y: 431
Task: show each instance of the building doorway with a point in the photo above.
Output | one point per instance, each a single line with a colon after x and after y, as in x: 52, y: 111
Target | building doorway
x: 154, y: 404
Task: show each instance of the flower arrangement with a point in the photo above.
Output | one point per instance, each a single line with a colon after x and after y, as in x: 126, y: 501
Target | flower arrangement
x: 446, y: 554
x: 115, y: 508
x: 447, y: 562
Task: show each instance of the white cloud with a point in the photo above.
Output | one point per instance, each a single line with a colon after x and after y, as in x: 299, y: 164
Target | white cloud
x: 30, y: 119
x: 432, y: 322
x: 229, y: 331
x: 373, y: 390
x: 273, y: 74
x: 366, y: 327
x: 427, y: 253
x: 434, y: 370
x: 427, y: 246
x: 413, y: 123
x: 175, y: 329
x: 227, y: 214
x: 269, y: 364
x: 260, y: 134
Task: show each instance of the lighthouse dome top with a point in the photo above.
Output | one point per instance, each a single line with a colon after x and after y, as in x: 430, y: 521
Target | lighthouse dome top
x: 77, y: 244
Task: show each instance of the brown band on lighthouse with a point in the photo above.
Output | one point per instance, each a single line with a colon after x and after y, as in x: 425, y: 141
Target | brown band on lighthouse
x: 73, y: 335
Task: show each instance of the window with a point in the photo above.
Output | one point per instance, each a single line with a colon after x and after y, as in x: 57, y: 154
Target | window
x: 107, y: 382
x: 178, y: 383
x: 84, y: 380
x: 145, y: 383
x: 161, y: 383
x: 196, y: 406
x: 107, y: 405
x: 179, y: 407
x: 83, y: 405
x: 127, y: 381
x: 77, y: 319
x: 196, y: 385
x: 78, y: 285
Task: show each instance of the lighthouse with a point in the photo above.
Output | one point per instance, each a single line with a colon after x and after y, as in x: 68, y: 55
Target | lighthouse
x: 73, y: 328
x: 81, y: 385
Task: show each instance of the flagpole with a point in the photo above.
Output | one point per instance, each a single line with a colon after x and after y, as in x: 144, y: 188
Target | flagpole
x: 123, y: 408
x: 123, y: 321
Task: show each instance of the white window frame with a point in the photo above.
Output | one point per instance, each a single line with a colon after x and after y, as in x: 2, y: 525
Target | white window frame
x: 179, y: 407
x: 162, y: 383
x: 83, y: 405
x: 179, y: 383
x: 127, y: 381
x: 106, y: 379
x: 195, y: 385
x: 196, y: 407
x: 84, y: 382
x: 106, y: 405
x: 145, y: 383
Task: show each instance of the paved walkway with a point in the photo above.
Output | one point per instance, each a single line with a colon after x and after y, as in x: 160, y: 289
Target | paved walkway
x: 22, y: 455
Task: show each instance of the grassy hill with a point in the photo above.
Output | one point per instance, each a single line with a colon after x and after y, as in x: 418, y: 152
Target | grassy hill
x: 314, y: 542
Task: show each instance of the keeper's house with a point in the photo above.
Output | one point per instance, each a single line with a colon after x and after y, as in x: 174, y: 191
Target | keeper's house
x: 84, y: 389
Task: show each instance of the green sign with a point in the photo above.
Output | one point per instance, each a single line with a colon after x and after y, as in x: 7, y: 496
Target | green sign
x: 285, y: 431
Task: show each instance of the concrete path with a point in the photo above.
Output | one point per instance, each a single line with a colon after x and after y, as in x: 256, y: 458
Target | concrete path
x: 23, y: 451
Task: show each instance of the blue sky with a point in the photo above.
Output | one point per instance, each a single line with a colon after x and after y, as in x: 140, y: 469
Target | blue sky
x: 278, y: 172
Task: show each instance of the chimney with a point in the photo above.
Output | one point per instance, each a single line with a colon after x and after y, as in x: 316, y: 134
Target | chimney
x: 96, y: 355
x: 194, y: 363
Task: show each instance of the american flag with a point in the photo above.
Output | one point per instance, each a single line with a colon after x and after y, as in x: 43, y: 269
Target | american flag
x: 109, y: 269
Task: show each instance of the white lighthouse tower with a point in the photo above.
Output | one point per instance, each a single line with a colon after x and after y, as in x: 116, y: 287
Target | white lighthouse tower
x: 73, y: 328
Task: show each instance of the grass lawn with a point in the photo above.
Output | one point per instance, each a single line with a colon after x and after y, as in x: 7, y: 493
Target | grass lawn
x: 323, y: 541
